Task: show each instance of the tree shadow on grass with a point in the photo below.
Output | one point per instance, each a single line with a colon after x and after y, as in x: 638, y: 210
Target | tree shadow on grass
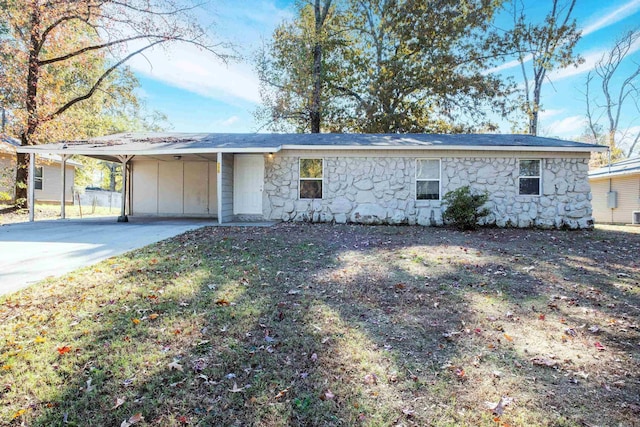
x: 334, y: 325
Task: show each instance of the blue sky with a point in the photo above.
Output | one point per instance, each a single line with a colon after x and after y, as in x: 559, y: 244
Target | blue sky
x: 199, y: 93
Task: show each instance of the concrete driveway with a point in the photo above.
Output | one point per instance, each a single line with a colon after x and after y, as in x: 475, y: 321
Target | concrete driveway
x: 29, y: 252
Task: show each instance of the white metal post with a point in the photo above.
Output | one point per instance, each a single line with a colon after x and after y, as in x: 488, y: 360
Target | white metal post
x: 64, y: 184
x: 123, y: 215
x: 31, y: 198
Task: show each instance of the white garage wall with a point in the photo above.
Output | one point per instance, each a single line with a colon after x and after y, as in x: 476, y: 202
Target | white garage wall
x: 174, y: 188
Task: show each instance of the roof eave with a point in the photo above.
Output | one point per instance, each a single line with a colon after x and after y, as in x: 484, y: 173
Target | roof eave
x: 514, y: 148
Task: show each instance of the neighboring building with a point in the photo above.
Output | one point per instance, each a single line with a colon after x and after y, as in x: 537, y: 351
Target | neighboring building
x: 371, y: 179
x: 616, y: 192
x: 48, y: 179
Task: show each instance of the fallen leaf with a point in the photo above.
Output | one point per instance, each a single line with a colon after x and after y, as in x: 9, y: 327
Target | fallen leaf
x: 408, y: 412
x: 543, y: 361
x: 153, y: 316
x: 281, y: 393
x: 370, y: 379
x: 119, y: 402
x: 40, y: 340
x: 64, y: 349
x: 508, y: 337
x: 175, y: 365
x: 498, y: 409
x: 541, y: 317
x: 599, y: 346
x: 327, y: 395
x: 223, y: 302
x: 135, y: 321
x: 134, y: 419
x: 235, y: 389
x: 19, y: 413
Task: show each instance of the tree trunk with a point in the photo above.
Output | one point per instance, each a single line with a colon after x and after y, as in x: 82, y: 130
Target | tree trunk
x: 314, y: 114
x: 33, y: 74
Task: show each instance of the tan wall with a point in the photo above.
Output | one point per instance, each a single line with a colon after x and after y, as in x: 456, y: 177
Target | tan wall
x: 51, y: 180
x: 628, y: 189
x: 52, y: 184
x: 7, y: 171
x: 174, y: 188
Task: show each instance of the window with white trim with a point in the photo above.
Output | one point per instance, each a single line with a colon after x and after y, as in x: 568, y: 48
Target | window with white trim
x: 428, y: 179
x: 529, y: 177
x: 311, y: 178
x: 37, y: 178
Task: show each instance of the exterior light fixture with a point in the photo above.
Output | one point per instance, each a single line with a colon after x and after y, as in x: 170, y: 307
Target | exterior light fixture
x: 177, y: 157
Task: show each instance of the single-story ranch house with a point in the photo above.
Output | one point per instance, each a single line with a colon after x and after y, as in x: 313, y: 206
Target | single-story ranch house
x: 48, y: 178
x: 616, y: 192
x: 358, y: 178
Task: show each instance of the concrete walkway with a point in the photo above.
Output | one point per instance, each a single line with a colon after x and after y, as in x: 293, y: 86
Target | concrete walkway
x: 29, y: 252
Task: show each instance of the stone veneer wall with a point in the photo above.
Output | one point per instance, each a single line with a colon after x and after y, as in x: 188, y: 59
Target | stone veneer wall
x: 381, y: 190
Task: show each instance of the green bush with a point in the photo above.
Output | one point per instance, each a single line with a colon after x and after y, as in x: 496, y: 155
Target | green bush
x: 464, y: 209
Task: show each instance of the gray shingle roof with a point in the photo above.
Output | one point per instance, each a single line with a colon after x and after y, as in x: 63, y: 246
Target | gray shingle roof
x: 132, y: 143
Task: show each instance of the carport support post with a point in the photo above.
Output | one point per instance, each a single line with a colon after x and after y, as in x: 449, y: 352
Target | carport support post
x: 31, y: 198
x: 123, y: 215
x: 64, y: 158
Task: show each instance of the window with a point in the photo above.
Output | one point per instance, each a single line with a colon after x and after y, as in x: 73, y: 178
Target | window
x: 38, y: 178
x: 428, y: 179
x: 529, y: 178
x: 311, y: 175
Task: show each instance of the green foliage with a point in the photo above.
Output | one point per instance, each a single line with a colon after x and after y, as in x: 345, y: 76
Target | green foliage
x: 539, y: 47
x: 464, y: 209
x: 387, y: 67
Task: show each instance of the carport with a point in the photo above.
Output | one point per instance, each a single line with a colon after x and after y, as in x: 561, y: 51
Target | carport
x: 217, y: 176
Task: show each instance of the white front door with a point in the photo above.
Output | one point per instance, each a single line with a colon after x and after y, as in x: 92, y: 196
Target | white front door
x: 248, y: 184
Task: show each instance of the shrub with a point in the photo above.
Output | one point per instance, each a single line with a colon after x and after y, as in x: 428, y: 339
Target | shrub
x: 464, y: 209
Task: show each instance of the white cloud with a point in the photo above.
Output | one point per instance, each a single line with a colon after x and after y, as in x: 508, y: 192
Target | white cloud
x: 615, y: 16
x: 568, y: 127
x: 547, y: 114
x: 201, y: 72
x: 230, y: 121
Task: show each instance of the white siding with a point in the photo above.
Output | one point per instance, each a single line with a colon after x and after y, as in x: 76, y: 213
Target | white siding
x: 227, y: 187
x: 52, y: 183
x: 628, y: 198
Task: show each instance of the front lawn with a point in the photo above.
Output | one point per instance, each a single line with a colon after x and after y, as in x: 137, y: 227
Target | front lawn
x: 334, y: 325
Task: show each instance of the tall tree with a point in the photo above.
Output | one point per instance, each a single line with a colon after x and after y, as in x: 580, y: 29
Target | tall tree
x: 619, y: 89
x: 395, y: 66
x: 116, y: 29
x: 541, y: 48
x: 293, y: 68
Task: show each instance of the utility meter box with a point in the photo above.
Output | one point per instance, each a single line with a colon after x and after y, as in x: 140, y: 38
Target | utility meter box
x: 612, y: 199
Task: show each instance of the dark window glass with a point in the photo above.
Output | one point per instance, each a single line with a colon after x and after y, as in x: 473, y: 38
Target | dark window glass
x: 311, y: 189
x: 311, y: 175
x: 428, y: 190
x: 38, y: 178
x: 530, y: 186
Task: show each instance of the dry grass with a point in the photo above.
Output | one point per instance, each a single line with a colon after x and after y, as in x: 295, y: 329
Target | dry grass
x: 10, y: 215
x: 334, y: 325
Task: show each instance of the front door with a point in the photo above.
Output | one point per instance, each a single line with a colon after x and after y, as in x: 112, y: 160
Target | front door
x: 248, y: 184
